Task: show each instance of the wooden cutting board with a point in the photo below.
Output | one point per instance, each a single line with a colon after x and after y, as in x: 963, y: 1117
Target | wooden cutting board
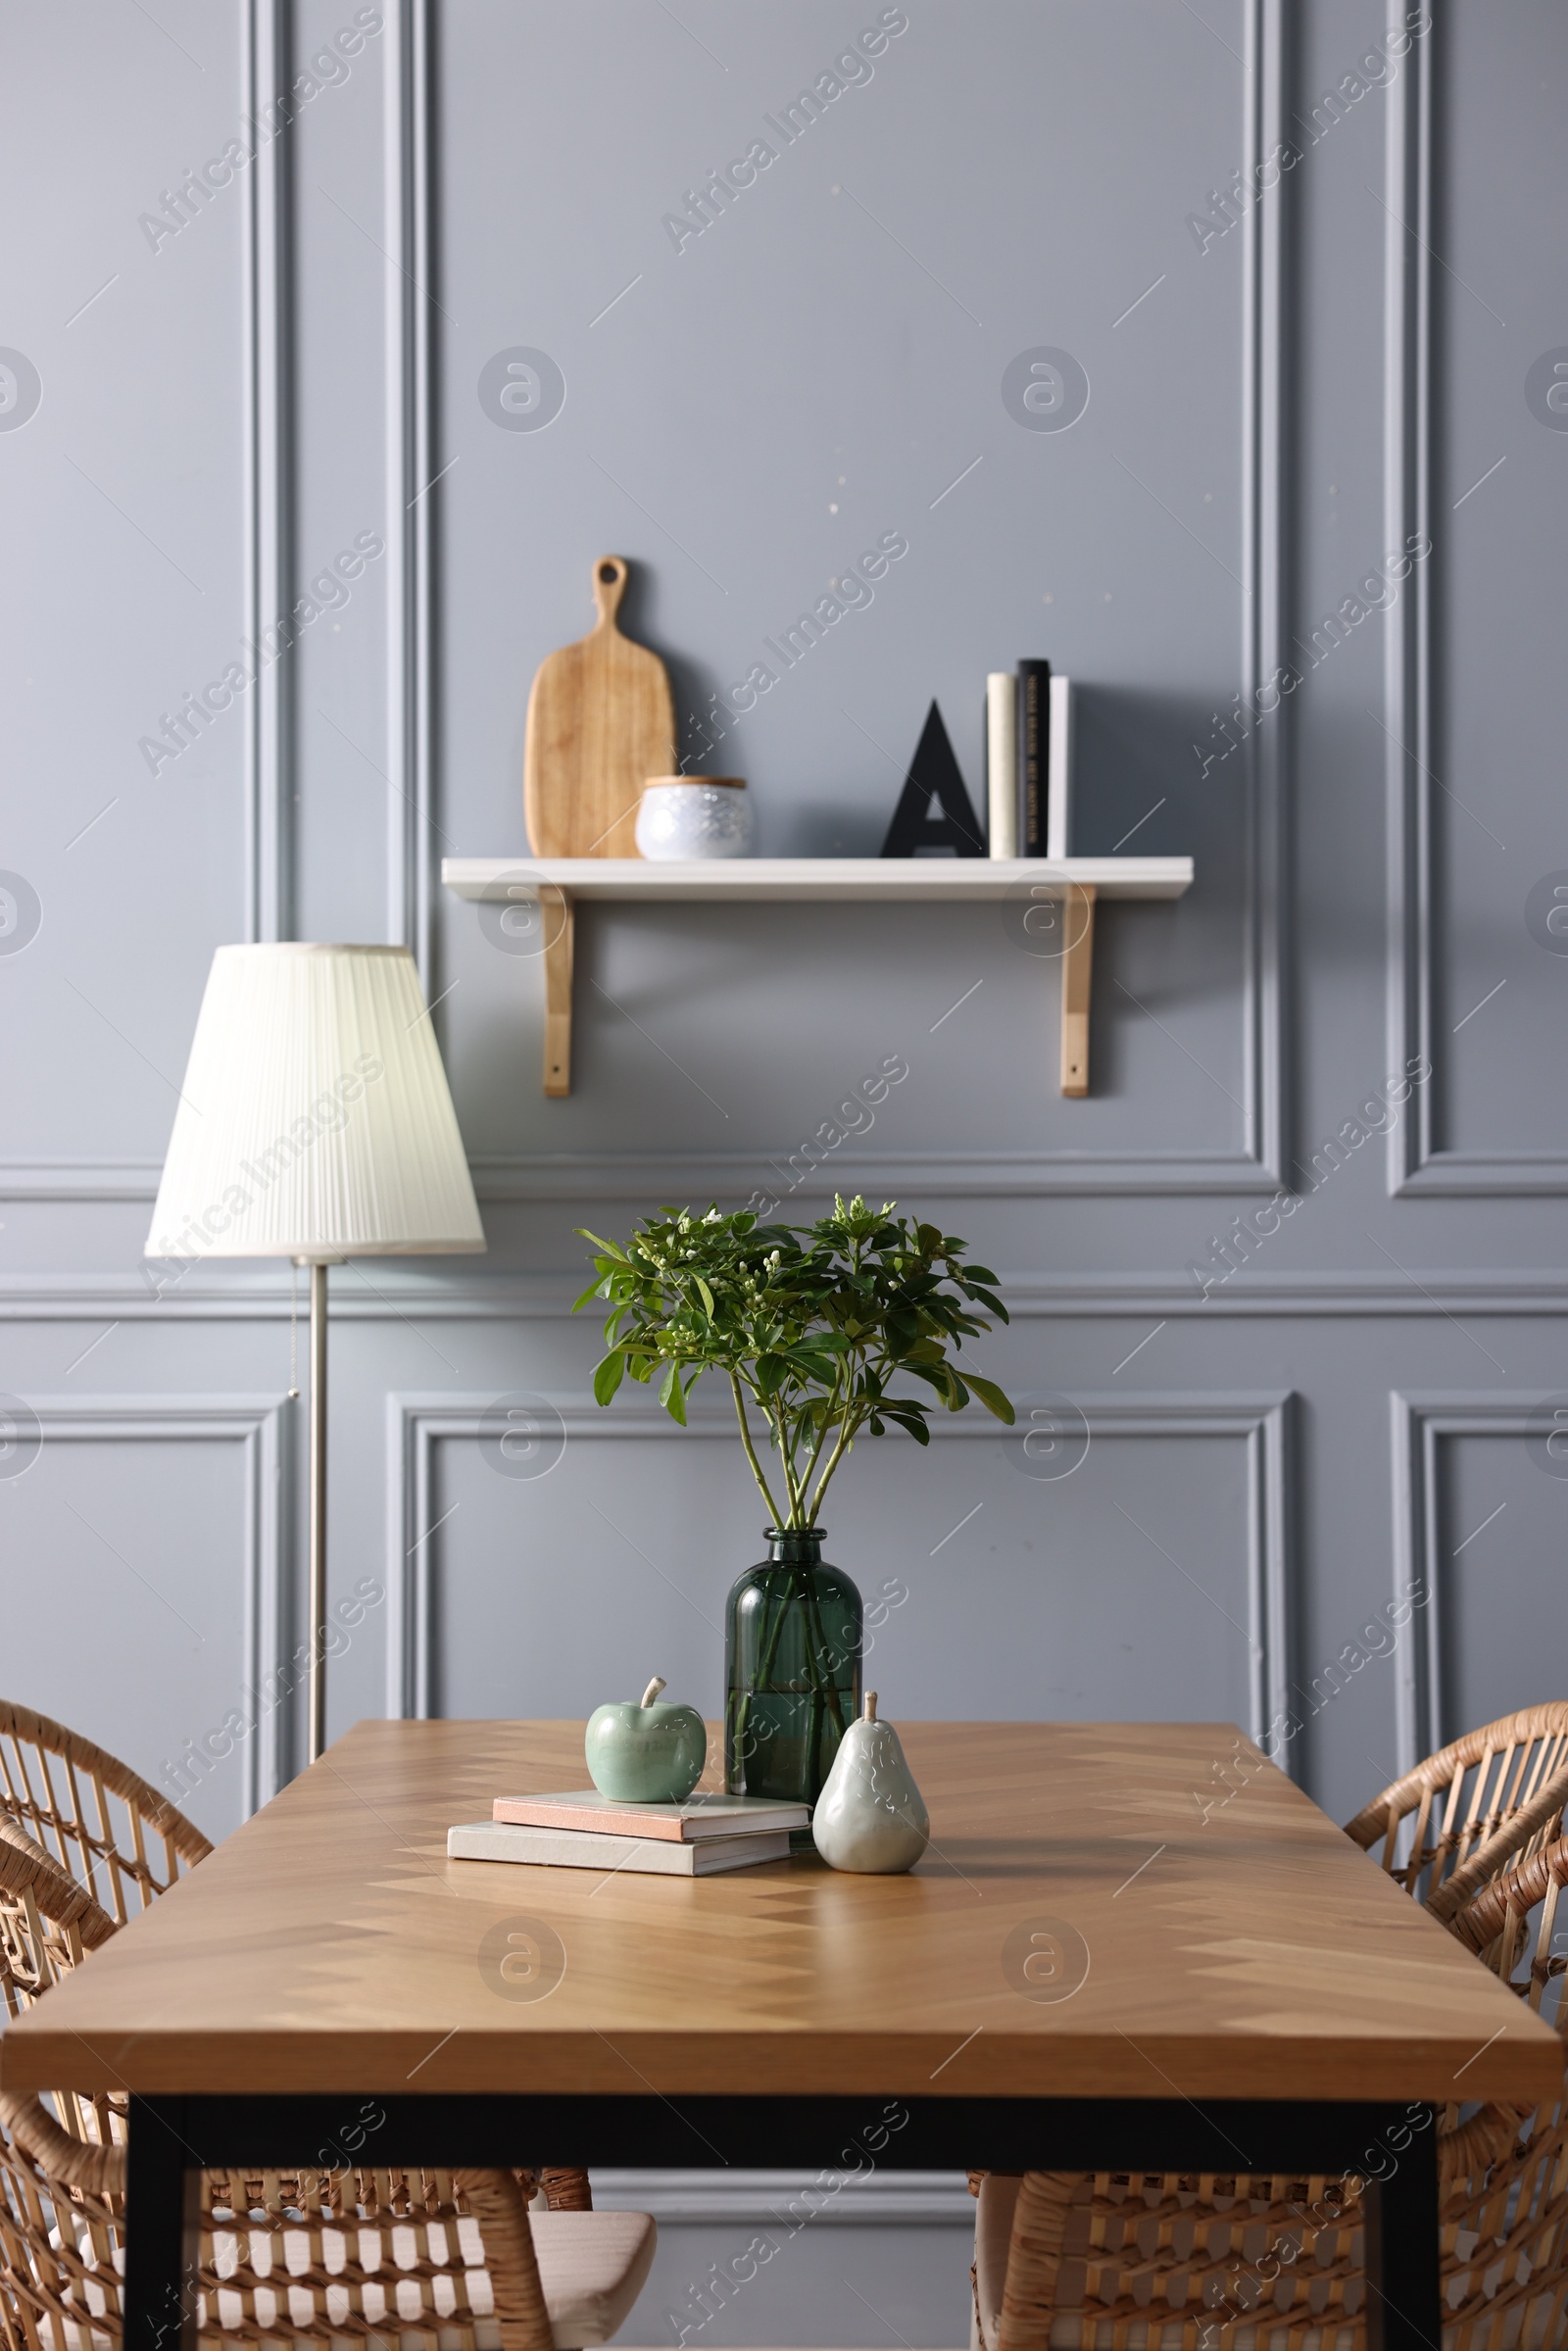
x: 599, y: 723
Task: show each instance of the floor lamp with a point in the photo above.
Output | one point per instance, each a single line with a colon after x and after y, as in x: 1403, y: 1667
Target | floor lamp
x: 314, y: 1123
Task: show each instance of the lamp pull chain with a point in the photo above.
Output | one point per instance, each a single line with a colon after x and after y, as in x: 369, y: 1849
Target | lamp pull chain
x: 293, y: 1334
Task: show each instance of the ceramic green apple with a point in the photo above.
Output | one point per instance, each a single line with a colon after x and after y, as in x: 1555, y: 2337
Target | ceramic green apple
x: 646, y: 1754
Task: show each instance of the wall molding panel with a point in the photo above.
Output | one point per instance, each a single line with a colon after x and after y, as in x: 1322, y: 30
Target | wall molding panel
x: 1265, y: 1423
x: 1416, y: 1164
x: 236, y: 1296
x: 505, y: 1178
x: 267, y: 475
x: 1419, y: 1425
x: 876, y: 2198
x: 260, y: 1426
x: 1406, y: 510
x: 64, y: 1181
x: 268, y: 303
x: 1260, y: 1163
x: 1265, y: 597
x: 412, y: 478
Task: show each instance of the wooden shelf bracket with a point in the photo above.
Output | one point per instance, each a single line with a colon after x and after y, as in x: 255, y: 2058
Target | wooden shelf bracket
x: 1077, y: 973
x: 561, y: 929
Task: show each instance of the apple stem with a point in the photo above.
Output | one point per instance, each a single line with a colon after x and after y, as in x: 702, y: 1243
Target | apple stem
x: 653, y: 1690
x: 870, y: 1706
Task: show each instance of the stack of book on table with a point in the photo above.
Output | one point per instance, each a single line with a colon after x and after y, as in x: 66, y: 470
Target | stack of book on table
x: 585, y: 1830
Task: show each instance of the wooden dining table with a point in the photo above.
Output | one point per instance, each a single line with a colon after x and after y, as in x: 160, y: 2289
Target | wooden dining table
x: 1129, y: 1947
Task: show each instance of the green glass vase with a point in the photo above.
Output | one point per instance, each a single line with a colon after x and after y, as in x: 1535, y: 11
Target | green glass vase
x: 792, y: 1639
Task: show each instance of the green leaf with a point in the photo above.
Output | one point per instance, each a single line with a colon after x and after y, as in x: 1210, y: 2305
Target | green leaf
x: 593, y: 1291
x: 607, y: 1376
x: 672, y: 1396
x: 992, y: 1398
x: 610, y: 1248
x: 706, y: 1295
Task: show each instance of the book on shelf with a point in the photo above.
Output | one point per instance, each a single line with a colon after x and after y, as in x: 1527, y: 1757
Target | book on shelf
x: 1033, y: 692
x: 1060, y: 841
x: 600, y: 1849
x: 706, y: 1813
x: 1001, y: 762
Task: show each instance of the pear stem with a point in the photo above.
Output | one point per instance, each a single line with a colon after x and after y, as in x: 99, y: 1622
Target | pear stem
x: 653, y: 1690
x: 870, y: 1706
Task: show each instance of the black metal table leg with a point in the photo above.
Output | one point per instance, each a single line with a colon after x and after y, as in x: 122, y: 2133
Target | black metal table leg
x: 1404, y: 2306
x: 172, y: 2138
x: 160, y: 2229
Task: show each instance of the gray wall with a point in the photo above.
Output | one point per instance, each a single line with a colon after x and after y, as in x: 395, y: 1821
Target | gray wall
x: 1343, y: 371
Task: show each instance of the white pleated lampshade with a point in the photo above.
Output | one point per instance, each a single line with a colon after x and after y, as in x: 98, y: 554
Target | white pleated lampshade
x: 314, y: 1120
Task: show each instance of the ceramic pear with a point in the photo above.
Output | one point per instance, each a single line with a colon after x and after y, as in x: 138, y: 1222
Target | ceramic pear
x: 869, y: 1817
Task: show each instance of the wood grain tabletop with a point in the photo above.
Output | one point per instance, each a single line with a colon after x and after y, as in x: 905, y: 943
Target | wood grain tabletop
x: 1096, y: 1917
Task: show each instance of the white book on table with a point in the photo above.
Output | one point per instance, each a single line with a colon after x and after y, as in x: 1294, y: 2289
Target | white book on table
x: 1002, y: 764
x: 594, y: 1850
x: 1059, y: 770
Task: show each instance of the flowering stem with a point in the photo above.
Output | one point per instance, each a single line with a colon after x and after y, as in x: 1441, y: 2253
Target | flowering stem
x: 751, y: 1450
x: 830, y: 1413
x: 847, y: 1427
x: 780, y: 1439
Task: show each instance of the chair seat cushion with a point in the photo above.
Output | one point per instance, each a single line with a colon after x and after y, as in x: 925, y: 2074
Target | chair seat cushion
x: 592, y: 2266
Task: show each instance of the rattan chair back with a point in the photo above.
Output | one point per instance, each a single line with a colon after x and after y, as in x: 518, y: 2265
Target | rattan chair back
x: 48, y: 1923
x: 102, y: 1822
x: 1506, y: 2168
x: 1485, y: 1800
x: 60, y: 2225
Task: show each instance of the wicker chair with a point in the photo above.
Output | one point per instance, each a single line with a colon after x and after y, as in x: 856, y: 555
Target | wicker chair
x: 1490, y: 1797
x: 1130, y: 2262
x: 384, y: 2256
x: 106, y: 1826
x: 1504, y: 2174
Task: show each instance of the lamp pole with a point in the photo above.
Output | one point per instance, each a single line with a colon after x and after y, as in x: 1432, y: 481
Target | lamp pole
x: 317, y: 1710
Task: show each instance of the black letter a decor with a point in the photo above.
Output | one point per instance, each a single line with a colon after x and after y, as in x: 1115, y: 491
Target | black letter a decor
x: 933, y: 811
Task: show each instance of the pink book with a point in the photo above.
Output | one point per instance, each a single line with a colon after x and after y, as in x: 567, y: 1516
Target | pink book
x: 702, y: 1815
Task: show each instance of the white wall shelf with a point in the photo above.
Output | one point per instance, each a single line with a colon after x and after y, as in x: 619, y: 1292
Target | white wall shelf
x: 557, y: 883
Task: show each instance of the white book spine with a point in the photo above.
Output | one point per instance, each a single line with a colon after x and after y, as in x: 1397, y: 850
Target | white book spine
x: 1059, y: 770
x: 1001, y: 762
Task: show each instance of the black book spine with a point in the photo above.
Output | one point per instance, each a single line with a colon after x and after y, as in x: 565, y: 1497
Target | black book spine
x: 1034, y: 722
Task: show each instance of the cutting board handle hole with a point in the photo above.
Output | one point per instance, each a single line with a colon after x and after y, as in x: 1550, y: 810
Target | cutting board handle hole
x: 611, y: 574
